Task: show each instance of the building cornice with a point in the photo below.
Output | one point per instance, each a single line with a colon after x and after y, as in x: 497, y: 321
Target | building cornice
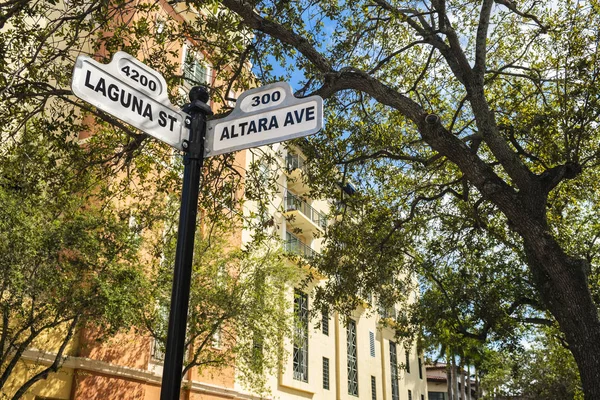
x: 129, y: 373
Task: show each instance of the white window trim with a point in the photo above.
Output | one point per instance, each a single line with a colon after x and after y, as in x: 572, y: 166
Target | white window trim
x: 200, y: 58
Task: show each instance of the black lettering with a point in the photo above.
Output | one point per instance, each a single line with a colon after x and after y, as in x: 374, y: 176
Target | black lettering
x: 289, y: 119
x: 299, y: 117
x: 225, y: 134
x: 242, y: 126
x: 125, y: 103
x: 310, y: 113
x: 101, y: 87
x: 113, y: 92
x: 252, y: 127
x: 88, y: 75
x: 233, y: 134
x: 273, y: 123
x: 148, y: 112
x: 262, y: 124
x: 172, y: 119
x: 137, y: 106
x: 162, y: 118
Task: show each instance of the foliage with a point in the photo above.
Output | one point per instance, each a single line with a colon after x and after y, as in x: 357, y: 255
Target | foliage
x: 470, y: 131
x: 64, y: 261
x: 96, y: 200
x: 545, y: 370
x: 239, y: 312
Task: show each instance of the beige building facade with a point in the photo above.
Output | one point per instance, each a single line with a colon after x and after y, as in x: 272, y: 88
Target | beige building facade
x: 335, y: 357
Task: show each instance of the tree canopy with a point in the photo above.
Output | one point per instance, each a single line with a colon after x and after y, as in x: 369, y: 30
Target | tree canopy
x: 542, y: 369
x: 88, y: 205
x: 469, y: 130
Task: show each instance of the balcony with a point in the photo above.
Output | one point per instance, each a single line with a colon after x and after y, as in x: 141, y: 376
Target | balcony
x: 305, y: 217
x: 293, y: 245
x: 295, y: 170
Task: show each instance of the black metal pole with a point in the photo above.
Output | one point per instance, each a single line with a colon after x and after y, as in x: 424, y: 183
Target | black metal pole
x: 180, y: 295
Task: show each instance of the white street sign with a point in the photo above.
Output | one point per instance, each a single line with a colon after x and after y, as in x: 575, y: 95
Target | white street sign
x: 264, y: 115
x: 132, y: 92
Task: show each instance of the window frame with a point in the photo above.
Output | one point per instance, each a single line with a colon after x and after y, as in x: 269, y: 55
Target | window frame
x: 352, y: 357
x: 300, y: 337
x: 326, y: 382
x: 199, y: 59
x: 394, y: 371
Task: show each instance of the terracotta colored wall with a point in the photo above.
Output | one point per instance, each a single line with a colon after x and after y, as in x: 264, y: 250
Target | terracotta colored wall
x: 98, y: 387
x: 126, y: 349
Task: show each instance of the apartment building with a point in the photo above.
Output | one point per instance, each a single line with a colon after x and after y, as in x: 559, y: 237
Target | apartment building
x: 332, y: 356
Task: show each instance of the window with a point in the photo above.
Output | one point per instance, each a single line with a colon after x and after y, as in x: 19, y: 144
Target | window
x: 373, y: 388
x: 422, y: 397
x: 409, y: 395
x: 420, y: 368
x: 216, y: 338
x: 372, y: 343
x: 300, y: 352
x: 352, y: 360
x: 195, y: 72
x: 436, y: 395
x: 158, y: 350
x: 407, y: 353
x: 257, y: 353
x: 231, y: 99
x: 325, y: 323
x: 325, y: 373
x: 394, y: 371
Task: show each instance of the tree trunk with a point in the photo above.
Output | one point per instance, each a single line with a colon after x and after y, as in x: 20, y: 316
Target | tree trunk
x: 448, y: 376
x: 455, y: 379
x: 468, y: 381
x: 461, y: 369
x: 560, y: 279
x: 562, y: 283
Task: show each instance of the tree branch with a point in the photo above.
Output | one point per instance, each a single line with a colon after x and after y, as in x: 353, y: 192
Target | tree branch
x: 481, y: 38
x: 511, y: 6
x: 58, y: 360
x: 245, y: 10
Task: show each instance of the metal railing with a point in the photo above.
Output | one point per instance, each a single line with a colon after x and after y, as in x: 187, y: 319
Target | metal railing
x: 293, y: 202
x: 293, y: 245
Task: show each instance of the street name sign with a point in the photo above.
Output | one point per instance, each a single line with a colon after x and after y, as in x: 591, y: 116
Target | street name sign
x: 264, y: 115
x: 133, y: 92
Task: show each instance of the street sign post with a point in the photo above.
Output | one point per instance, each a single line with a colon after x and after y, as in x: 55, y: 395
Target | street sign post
x: 136, y: 94
x: 264, y: 115
x: 132, y: 92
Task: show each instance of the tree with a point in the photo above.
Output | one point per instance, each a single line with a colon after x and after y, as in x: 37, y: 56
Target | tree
x: 64, y: 262
x: 543, y: 370
x: 239, y: 306
x: 110, y: 201
x: 454, y: 118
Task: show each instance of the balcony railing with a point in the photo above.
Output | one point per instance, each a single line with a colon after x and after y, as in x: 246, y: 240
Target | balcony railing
x: 293, y: 202
x: 294, y: 161
x: 293, y: 245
